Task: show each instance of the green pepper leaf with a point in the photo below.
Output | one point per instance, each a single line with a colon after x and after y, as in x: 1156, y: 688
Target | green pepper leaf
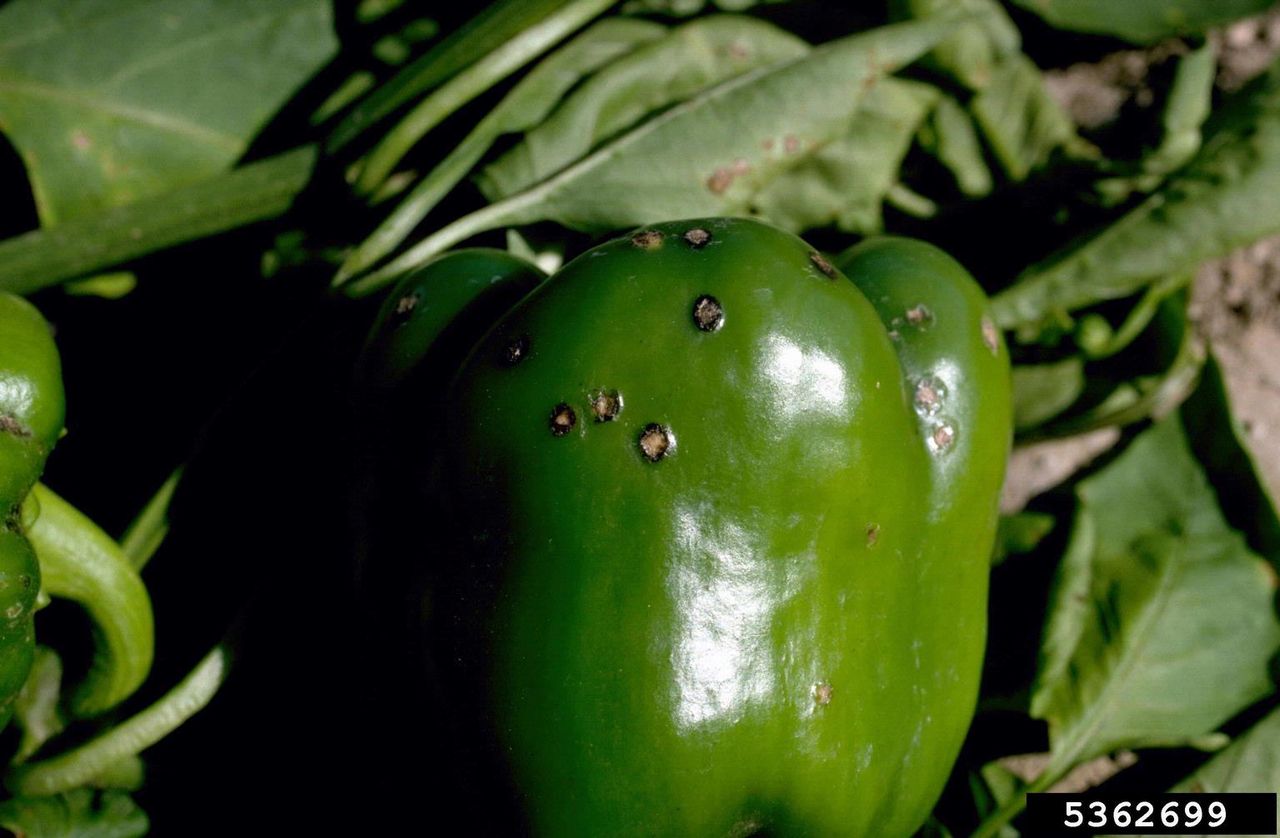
x: 83, y: 813
x: 846, y: 181
x: 99, y: 125
x: 1022, y: 123
x: 494, y: 26
x: 1227, y: 197
x: 688, y: 60
x: 1138, y: 650
x: 1020, y: 120
x: 1217, y: 439
x: 972, y: 52
x: 1142, y: 21
x: 709, y: 155
x: 525, y: 106
x: 1250, y: 763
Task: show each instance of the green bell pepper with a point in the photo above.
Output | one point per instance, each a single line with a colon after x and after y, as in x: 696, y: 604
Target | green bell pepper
x: 716, y: 519
x: 48, y: 546
x: 31, y: 414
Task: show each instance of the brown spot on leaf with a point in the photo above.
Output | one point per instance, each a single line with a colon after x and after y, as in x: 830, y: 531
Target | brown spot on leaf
x: 562, y: 419
x: 708, y: 314
x: 720, y: 181
x: 873, y: 534
x: 656, y: 442
x: 822, y: 694
x: 791, y: 144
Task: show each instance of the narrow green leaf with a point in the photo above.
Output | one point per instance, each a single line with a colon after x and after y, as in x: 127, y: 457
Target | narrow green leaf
x: 707, y: 156
x: 471, y: 82
x: 1227, y: 197
x: 147, y: 532
x: 1138, y: 650
x: 1185, y: 112
x: 252, y: 193
x: 951, y: 136
x: 495, y: 25
x: 110, y: 103
x: 1142, y: 21
x: 524, y: 107
x: 690, y: 59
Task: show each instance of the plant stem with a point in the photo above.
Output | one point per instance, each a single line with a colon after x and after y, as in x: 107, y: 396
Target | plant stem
x: 84, y: 245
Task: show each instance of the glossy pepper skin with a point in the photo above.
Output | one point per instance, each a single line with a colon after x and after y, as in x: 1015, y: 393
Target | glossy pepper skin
x: 723, y: 517
x: 32, y: 408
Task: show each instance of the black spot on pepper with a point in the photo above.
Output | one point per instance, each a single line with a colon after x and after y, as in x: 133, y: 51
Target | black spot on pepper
x: 562, y: 419
x: 656, y: 442
x: 406, y: 304
x: 647, y: 240
x: 606, y: 405
x: 9, y: 425
x: 515, y: 351
x: 820, y: 262
x: 708, y: 314
x: 697, y: 237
